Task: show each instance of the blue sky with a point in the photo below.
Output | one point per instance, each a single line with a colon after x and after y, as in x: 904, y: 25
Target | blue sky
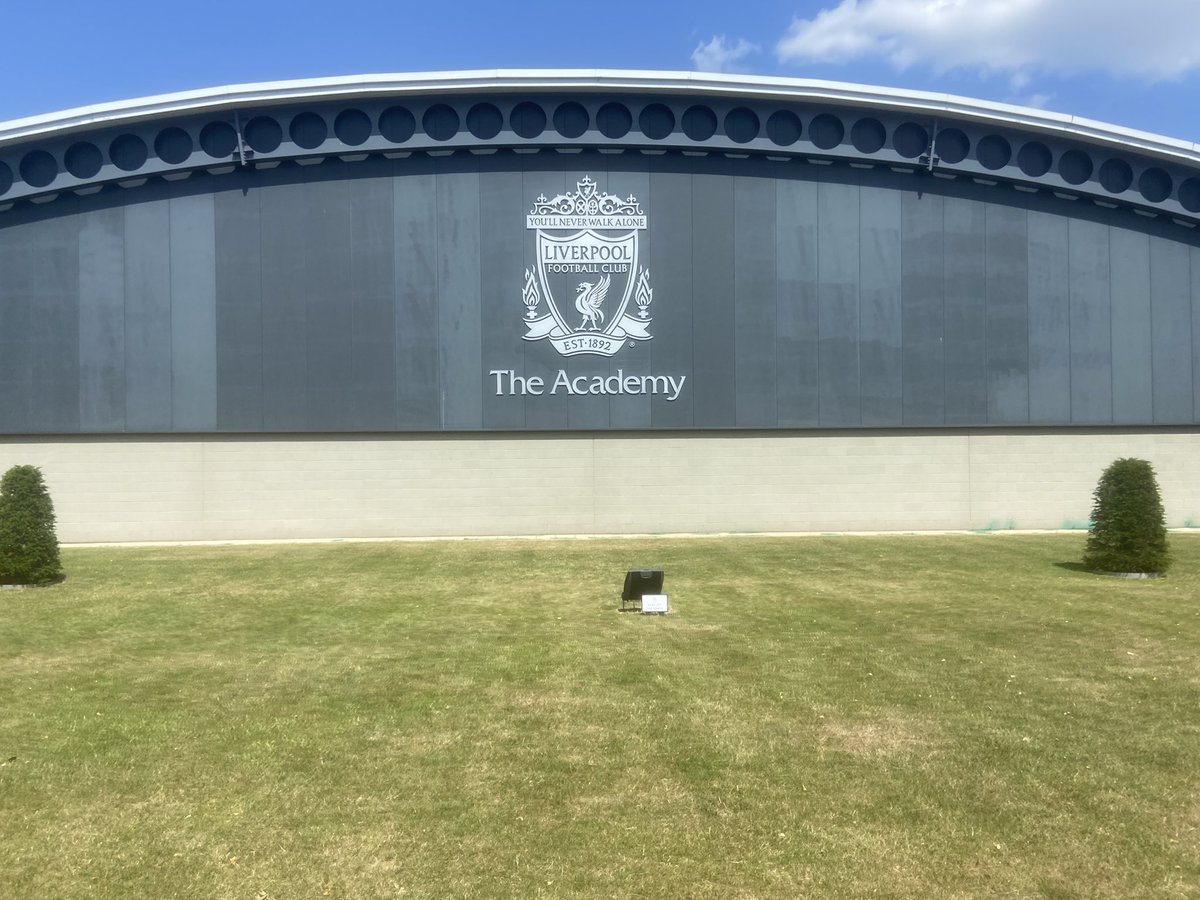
x: 1135, y: 64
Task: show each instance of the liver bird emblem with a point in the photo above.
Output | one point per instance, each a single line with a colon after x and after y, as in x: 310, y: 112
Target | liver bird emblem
x: 588, y: 299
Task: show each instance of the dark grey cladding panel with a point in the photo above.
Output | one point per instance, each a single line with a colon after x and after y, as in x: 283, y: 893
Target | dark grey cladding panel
x: 418, y: 388
x: 371, y: 297
x: 880, y: 350
x: 755, y: 302
x: 502, y: 262
x: 503, y: 265
x: 329, y: 314
x: 239, y: 287
x: 379, y: 295
x: 837, y: 303
x: 148, y: 336
x: 193, y: 313
x: 101, y: 321
x: 1007, y: 326
x: 922, y: 299
x: 1194, y: 260
x: 1049, y: 319
x: 627, y: 177
x: 714, y: 299
x: 1091, y: 323
x: 1171, y: 325
x: 285, y: 208
x: 17, y: 250
x: 797, y: 390
x: 670, y: 225
x: 459, y: 327
x: 1133, y: 378
x: 54, y: 327
x: 965, y: 310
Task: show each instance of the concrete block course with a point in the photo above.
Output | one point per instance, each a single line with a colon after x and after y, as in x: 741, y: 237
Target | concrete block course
x: 330, y: 486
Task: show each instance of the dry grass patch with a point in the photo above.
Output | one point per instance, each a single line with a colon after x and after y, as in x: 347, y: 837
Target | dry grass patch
x: 880, y: 738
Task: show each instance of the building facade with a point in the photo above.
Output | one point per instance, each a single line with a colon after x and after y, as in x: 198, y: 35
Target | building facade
x: 589, y: 302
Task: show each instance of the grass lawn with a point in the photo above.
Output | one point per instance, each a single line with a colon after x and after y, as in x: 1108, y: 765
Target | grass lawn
x: 926, y: 717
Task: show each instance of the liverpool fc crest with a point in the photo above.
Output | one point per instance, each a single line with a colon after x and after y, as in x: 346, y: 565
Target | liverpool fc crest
x: 587, y: 250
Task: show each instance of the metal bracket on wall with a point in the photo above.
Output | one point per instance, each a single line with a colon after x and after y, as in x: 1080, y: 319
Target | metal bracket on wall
x: 244, y: 153
x: 929, y: 160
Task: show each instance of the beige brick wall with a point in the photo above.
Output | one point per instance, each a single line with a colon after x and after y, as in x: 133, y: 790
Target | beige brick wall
x: 219, y: 488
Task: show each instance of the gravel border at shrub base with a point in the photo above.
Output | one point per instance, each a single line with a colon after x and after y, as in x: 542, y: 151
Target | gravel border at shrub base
x: 1133, y: 576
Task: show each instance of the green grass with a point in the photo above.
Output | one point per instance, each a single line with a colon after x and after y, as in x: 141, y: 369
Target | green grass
x: 923, y: 717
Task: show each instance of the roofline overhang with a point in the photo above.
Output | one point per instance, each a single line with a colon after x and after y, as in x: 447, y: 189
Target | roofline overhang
x: 800, y: 90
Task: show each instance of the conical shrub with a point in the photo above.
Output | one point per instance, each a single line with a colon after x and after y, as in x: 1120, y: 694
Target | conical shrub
x: 1128, y: 533
x: 28, y: 543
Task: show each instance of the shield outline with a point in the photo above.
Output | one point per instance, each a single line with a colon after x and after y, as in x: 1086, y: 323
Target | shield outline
x: 615, y: 319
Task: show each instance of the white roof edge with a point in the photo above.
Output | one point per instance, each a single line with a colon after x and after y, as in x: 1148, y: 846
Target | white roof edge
x: 492, y: 80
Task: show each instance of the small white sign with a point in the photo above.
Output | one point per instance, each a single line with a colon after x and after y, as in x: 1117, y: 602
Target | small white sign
x: 654, y: 603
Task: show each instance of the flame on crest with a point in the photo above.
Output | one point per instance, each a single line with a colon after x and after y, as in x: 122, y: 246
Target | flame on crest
x: 645, y: 293
x: 531, y: 295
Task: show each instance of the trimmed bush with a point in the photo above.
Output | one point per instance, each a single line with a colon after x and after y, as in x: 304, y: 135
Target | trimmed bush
x: 1128, y: 533
x: 28, y: 543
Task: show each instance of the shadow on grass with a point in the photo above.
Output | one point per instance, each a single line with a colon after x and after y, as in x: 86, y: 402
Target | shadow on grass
x: 1073, y: 566
x: 24, y: 585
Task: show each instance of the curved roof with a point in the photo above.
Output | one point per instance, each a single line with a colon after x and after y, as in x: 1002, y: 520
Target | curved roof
x: 818, y: 121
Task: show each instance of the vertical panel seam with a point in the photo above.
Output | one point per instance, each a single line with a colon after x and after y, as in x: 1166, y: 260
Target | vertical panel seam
x: 1028, y: 332
x: 987, y: 310
x: 1153, y: 306
x: 125, y: 316
x: 437, y: 288
x: 692, y: 282
x: 262, y: 325
x: 817, y: 290
x: 396, y: 323
x: 210, y: 300
x: 775, y: 336
x: 1070, y: 334
x: 1191, y: 306
x: 900, y: 301
x: 1112, y: 393
x: 477, y: 347
x: 354, y: 401
x: 858, y: 331
x: 943, y: 291
x: 171, y: 298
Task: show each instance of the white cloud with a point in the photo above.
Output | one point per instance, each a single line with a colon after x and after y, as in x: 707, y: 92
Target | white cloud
x: 1152, y: 39
x: 720, y: 55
